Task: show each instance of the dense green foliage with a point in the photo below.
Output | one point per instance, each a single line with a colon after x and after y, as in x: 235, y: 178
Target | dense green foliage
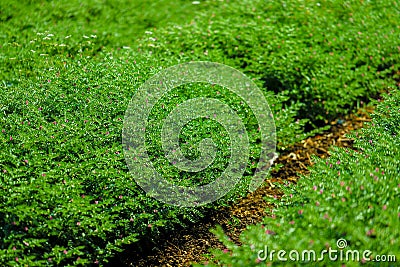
x: 328, y: 56
x: 69, y: 68
x: 354, y: 195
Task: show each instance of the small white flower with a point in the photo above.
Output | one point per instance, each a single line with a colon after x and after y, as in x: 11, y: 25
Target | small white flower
x: 62, y: 45
x: 85, y: 36
x: 50, y: 34
x: 93, y: 36
x: 66, y: 37
x: 196, y: 2
x: 33, y: 51
x: 148, y: 32
x: 126, y: 47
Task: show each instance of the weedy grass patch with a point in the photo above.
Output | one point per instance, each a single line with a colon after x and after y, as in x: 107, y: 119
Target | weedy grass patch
x: 329, y: 57
x: 353, y: 196
x: 69, y: 69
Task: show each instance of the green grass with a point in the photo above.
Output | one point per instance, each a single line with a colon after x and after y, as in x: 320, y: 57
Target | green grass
x: 64, y: 28
x: 329, y: 56
x: 67, y: 73
x: 353, y: 195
